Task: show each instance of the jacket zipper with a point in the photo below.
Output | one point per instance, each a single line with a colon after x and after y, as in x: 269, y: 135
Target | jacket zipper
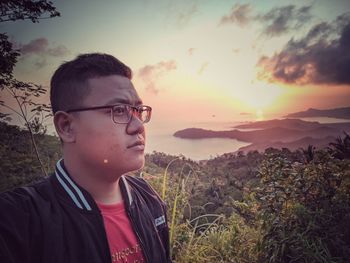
x: 138, y: 236
x: 105, y: 235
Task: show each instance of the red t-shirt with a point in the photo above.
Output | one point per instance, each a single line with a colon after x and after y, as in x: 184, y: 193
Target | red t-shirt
x: 123, y: 244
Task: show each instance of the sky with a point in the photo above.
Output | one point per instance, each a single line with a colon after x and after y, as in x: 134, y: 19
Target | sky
x: 205, y: 60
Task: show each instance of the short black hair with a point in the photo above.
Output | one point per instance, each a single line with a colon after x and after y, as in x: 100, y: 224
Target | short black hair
x: 68, y: 83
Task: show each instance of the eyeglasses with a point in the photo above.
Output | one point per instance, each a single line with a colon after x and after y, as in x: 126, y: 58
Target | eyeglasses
x: 123, y: 113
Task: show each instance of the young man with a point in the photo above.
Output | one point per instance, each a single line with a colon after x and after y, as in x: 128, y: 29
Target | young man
x: 90, y: 210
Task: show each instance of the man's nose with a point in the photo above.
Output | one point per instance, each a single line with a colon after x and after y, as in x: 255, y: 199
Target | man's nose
x: 135, y: 126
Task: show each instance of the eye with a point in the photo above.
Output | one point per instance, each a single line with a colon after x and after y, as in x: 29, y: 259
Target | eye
x: 139, y: 110
x: 119, y: 110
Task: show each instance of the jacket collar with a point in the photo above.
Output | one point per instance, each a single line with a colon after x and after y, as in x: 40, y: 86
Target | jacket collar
x: 79, y: 196
x: 72, y: 189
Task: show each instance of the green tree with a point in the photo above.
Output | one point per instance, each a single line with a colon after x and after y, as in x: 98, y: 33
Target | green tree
x: 341, y: 147
x: 305, y: 209
x: 18, y: 161
x: 31, y: 112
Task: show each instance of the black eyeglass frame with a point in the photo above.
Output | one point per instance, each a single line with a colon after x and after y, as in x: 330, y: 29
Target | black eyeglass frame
x: 148, y: 109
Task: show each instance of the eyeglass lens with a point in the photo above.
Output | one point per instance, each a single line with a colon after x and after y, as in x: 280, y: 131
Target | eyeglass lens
x: 123, y: 113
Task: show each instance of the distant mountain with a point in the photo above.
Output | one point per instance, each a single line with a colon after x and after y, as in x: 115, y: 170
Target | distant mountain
x: 302, y: 143
x: 269, y: 134
x: 340, y: 113
x: 296, y: 124
x: 284, y: 123
x: 289, y: 133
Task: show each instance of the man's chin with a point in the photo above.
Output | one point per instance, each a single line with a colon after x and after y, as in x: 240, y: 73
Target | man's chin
x: 137, y: 164
x: 140, y: 164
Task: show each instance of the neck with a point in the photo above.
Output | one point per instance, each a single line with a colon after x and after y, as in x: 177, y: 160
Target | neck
x: 108, y: 193
x: 99, y: 184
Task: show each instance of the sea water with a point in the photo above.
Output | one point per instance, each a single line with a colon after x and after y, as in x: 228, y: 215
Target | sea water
x: 160, y: 138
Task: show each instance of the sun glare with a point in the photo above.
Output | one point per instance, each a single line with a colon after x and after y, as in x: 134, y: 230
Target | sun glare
x: 259, y: 115
x: 260, y: 95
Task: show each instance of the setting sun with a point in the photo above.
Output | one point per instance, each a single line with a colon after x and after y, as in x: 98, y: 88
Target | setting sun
x: 260, y: 95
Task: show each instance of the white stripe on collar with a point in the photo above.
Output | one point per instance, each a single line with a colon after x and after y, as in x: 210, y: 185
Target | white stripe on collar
x: 75, y: 187
x: 75, y: 200
x: 127, y: 189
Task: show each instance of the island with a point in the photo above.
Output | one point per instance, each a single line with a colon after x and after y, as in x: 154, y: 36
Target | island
x: 277, y: 133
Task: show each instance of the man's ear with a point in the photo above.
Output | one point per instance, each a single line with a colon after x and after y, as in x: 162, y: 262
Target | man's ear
x: 64, y: 126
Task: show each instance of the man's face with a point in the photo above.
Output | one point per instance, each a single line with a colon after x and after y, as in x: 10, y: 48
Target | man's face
x: 101, y: 143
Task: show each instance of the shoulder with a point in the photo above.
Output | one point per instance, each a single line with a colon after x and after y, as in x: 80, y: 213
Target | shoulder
x: 22, y: 210
x: 20, y: 220
x: 22, y: 199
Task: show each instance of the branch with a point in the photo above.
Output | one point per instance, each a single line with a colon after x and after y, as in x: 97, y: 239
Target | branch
x: 23, y: 115
x: 32, y: 117
x: 12, y: 93
x: 25, y: 107
x: 25, y: 18
x: 4, y: 105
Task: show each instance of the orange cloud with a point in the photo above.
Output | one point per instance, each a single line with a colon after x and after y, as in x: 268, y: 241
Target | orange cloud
x: 151, y: 73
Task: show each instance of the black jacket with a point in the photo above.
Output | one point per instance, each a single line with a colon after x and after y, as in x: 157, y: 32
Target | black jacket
x: 57, y: 221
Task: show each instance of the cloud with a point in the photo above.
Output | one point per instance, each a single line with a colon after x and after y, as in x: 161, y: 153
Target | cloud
x: 59, y: 51
x: 35, y: 46
x: 190, y: 51
x: 322, y: 56
x: 281, y: 20
x: 240, y: 14
x: 236, y: 50
x: 202, y: 68
x: 40, y: 46
x: 40, y: 63
x: 40, y: 49
x: 180, y: 13
x: 185, y: 15
x: 275, y: 22
x: 151, y: 73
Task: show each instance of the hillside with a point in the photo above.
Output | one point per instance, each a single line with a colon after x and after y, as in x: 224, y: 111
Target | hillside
x: 222, y: 206
x: 302, y: 143
x: 296, y: 124
x: 19, y: 164
x: 340, y: 113
x: 289, y: 133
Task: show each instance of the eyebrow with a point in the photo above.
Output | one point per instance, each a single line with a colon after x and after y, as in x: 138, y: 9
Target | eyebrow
x: 123, y: 101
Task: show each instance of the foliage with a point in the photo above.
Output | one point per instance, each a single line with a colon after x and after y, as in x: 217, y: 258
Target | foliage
x: 341, y: 147
x: 305, y: 209
x: 8, y: 59
x: 19, y: 165
x: 254, y: 207
x: 225, y: 240
x: 21, y: 92
x: 12, y: 10
x: 292, y: 207
x: 207, y: 237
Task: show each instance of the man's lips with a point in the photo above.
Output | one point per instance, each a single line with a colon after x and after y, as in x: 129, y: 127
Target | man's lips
x: 137, y: 144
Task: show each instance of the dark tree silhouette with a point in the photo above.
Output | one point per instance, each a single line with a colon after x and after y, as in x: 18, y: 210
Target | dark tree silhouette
x: 12, y: 10
x: 341, y: 147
